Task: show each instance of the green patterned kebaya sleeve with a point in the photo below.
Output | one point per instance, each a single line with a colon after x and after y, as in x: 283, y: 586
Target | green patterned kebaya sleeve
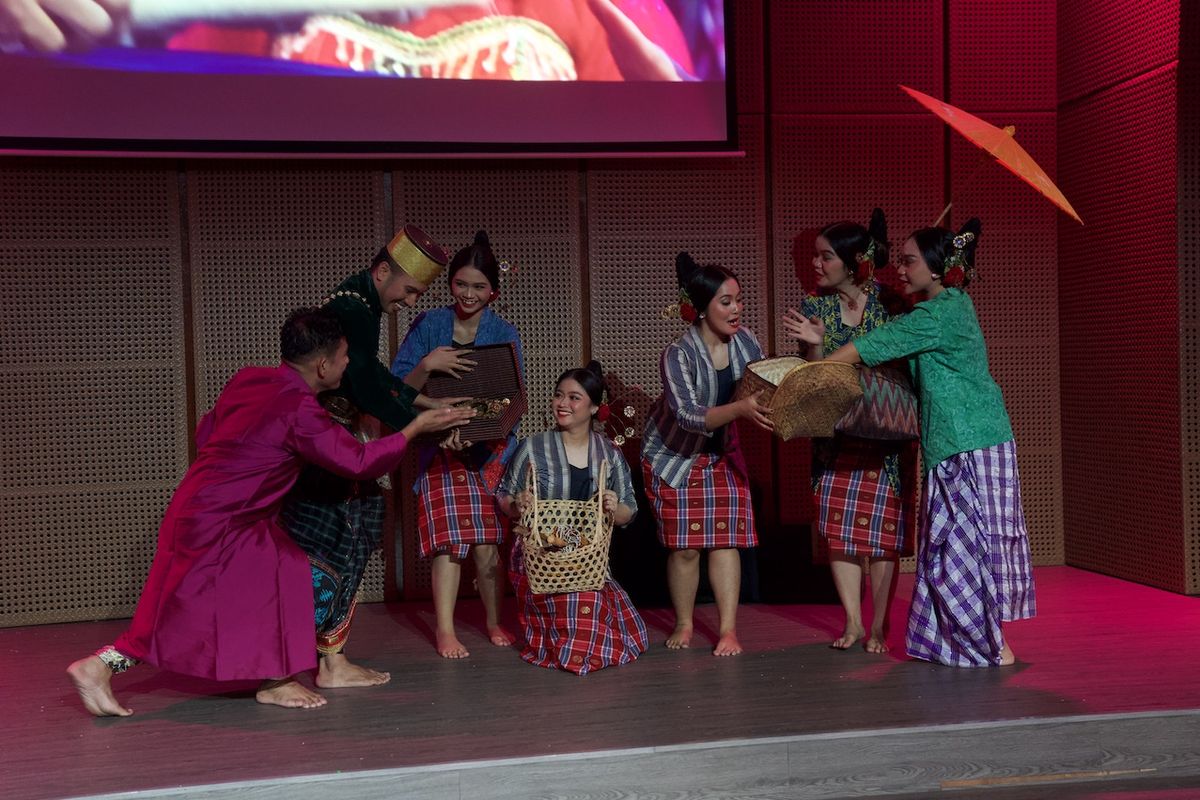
x: 919, y: 331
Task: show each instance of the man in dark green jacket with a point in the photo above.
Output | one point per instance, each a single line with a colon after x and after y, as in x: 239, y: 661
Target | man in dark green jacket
x: 338, y: 522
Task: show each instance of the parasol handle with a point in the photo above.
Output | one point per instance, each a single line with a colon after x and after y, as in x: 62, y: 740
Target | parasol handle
x: 1011, y: 130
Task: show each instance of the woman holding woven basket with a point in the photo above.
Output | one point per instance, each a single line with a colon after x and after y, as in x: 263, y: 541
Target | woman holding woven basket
x: 458, y: 515
x: 973, y: 569
x: 860, y: 508
x: 694, y: 470
x: 591, y: 628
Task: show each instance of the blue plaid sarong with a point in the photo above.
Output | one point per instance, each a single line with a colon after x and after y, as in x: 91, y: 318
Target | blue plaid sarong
x: 974, y: 568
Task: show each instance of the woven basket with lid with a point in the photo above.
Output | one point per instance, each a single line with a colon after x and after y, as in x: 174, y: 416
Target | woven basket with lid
x: 806, y: 398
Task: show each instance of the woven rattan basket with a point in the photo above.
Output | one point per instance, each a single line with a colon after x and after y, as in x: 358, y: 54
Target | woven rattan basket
x: 554, y: 571
x: 807, y: 398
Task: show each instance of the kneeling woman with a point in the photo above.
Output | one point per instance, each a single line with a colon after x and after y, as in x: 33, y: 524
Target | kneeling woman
x: 575, y: 631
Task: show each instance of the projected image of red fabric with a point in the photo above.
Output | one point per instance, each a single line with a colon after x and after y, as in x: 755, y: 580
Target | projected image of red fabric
x: 504, y: 40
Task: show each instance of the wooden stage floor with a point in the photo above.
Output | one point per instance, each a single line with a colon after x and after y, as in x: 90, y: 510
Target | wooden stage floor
x: 1105, y: 690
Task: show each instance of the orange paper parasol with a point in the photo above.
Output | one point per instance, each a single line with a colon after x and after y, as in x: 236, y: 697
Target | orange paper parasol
x: 1000, y: 143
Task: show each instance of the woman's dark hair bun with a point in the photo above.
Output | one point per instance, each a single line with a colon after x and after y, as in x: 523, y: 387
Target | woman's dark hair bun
x: 973, y: 225
x: 877, y: 229
x: 685, y: 267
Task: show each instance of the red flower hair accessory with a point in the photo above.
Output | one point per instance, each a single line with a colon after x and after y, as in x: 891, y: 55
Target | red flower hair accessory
x: 682, y: 309
x: 954, y: 276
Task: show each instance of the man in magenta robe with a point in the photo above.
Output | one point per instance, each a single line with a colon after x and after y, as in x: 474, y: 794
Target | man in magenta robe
x: 229, y: 594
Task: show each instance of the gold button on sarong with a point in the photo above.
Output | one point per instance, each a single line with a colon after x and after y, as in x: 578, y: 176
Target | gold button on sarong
x: 720, y: 526
x: 695, y: 526
x: 872, y: 474
x: 837, y: 516
x: 862, y: 520
x: 465, y: 522
x: 576, y: 659
x: 585, y: 610
x: 887, y: 526
x: 460, y: 477
x: 741, y: 526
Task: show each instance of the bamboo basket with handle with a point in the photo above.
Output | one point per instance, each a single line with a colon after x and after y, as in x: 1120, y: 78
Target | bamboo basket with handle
x: 583, y: 567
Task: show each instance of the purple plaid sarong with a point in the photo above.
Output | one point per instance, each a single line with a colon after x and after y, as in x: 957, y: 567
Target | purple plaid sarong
x: 974, y: 569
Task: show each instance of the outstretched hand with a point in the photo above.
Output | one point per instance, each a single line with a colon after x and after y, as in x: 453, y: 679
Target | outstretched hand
x: 522, y: 501
x: 797, y: 326
x: 450, y: 360
x: 638, y: 58
x: 425, y: 401
x: 439, y: 419
x: 753, y: 409
x: 455, y: 441
x: 50, y: 26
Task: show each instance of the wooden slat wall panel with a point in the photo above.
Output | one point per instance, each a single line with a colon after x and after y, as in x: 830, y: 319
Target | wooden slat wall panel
x: 92, y: 383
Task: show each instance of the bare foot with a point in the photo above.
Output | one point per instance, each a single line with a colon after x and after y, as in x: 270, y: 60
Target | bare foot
x: 287, y: 692
x: 851, y: 635
x: 500, y: 636
x: 680, y: 638
x: 338, y: 672
x: 876, y: 644
x: 93, y: 681
x: 448, y: 646
x: 728, y: 645
x: 1007, y: 657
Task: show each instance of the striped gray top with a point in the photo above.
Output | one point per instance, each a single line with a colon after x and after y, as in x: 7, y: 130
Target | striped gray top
x: 675, y: 434
x: 554, y: 471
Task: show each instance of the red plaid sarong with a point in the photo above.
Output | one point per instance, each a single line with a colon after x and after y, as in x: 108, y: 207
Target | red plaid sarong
x: 457, y: 510
x: 579, y: 631
x: 711, y: 511
x: 858, y: 513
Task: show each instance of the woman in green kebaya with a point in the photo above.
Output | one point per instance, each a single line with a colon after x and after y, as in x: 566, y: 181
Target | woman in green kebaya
x: 973, y: 568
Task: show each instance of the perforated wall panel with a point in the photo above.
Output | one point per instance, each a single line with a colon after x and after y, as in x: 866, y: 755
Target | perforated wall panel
x: 1002, y: 55
x: 639, y: 217
x: 1016, y: 297
x: 1119, y: 333
x: 828, y: 135
x: 265, y: 240
x: 749, y: 66
x: 92, y: 384
x: 1104, y: 42
x: 531, y: 213
x: 1188, y: 234
x: 830, y: 168
x: 847, y: 56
